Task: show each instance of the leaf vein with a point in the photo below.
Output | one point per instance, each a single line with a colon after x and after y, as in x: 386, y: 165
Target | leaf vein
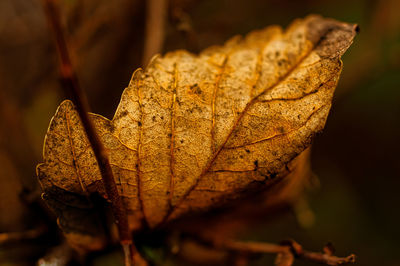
x: 249, y: 104
x: 74, y: 158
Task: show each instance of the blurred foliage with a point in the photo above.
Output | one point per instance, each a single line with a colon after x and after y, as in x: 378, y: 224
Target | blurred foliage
x: 356, y: 157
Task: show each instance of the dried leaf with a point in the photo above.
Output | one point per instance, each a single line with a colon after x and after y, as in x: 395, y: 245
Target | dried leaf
x: 194, y: 131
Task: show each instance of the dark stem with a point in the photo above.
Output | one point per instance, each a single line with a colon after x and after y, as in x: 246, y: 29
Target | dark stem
x: 71, y: 85
x: 8, y: 237
x: 286, y: 251
x: 325, y: 257
x: 155, y: 27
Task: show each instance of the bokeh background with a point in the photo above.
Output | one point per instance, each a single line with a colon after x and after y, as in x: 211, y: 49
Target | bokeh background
x: 356, y: 158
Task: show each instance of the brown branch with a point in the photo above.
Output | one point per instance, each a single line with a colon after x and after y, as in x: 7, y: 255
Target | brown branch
x: 326, y: 257
x: 8, y: 237
x: 70, y: 84
x: 155, y: 28
x: 286, y: 252
x: 250, y: 247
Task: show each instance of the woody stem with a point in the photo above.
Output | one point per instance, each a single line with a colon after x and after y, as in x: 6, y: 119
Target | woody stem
x: 71, y: 85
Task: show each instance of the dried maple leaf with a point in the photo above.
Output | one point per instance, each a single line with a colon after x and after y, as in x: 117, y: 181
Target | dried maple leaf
x: 194, y: 131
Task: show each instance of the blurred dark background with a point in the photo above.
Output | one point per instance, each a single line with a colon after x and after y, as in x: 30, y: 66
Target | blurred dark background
x: 356, y: 158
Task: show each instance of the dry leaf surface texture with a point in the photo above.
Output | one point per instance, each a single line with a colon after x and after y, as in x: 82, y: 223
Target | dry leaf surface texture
x: 194, y: 131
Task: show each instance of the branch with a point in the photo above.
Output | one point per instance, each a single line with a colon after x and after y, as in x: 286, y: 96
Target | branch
x: 70, y: 84
x: 286, y: 252
x: 155, y: 28
x: 8, y: 237
x: 326, y: 257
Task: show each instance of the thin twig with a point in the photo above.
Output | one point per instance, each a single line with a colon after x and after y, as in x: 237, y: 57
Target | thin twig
x: 155, y: 27
x: 127, y: 253
x: 325, y: 257
x: 250, y: 247
x: 71, y: 85
x: 284, y: 250
x: 8, y: 237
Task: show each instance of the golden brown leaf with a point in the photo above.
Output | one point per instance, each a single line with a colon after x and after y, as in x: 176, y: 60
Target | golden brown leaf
x: 194, y: 131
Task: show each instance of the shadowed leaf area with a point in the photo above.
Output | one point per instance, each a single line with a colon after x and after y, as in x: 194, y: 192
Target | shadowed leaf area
x: 193, y: 132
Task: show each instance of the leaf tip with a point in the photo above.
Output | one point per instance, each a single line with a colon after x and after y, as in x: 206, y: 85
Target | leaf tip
x: 152, y: 60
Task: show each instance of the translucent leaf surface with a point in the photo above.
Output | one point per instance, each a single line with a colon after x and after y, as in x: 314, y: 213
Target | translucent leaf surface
x: 194, y: 131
